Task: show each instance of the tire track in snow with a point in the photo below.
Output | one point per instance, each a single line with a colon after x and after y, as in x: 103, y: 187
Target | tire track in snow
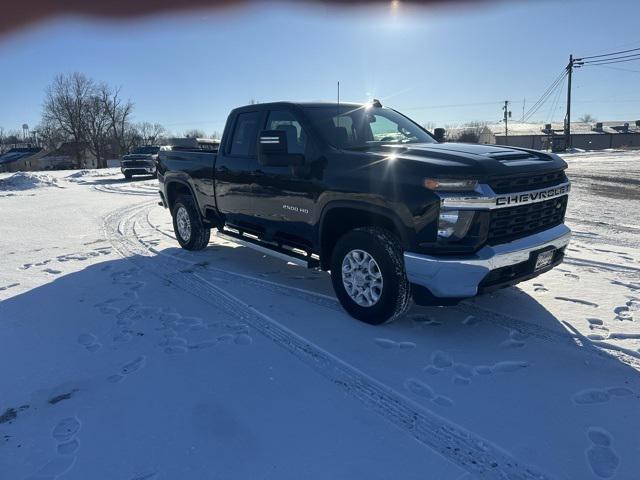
x: 471, y: 452
x: 569, y: 337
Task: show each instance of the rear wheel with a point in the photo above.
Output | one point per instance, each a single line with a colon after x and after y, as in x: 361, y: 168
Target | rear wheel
x: 368, y: 275
x: 127, y: 175
x: 190, y: 231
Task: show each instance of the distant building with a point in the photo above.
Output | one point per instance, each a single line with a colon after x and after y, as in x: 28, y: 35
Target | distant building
x: 21, y: 159
x: 68, y: 155
x: 587, y: 136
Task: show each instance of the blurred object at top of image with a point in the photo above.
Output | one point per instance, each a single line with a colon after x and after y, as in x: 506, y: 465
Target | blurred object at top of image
x: 20, y: 15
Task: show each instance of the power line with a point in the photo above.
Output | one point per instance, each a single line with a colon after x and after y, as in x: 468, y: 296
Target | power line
x: 609, y: 54
x: 620, y: 69
x: 589, y: 62
x: 586, y: 64
x: 541, y: 100
x: 554, y: 105
x: 428, y: 107
x: 544, y: 97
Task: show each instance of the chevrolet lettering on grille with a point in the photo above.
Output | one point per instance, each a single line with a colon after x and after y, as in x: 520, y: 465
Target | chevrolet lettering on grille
x: 530, y: 197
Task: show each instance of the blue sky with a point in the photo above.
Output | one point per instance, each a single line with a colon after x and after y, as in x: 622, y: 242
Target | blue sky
x: 443, y: 65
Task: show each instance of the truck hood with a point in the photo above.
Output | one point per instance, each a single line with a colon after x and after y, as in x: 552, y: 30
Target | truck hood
x: 472, y: 160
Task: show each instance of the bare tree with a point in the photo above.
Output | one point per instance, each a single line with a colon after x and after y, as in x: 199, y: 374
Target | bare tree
x: 65, y: 106
x: 118, y: 111
x: 151, y: 133
x: 97, y: 129
x: 195, y: 133
x: 49, y: 135
x: 587, y: 118
x: 471, y: 132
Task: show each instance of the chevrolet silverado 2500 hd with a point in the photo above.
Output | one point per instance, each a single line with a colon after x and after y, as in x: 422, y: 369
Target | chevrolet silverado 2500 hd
x: 141, y: 161
x: 367, y: 194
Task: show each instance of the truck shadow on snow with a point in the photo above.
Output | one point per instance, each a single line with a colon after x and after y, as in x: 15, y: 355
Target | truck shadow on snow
x: 469, y: 357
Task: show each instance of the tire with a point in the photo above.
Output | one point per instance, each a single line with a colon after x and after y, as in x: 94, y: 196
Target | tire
x: 386, y: 300
x: 191, y: 234
x: 128, y: 176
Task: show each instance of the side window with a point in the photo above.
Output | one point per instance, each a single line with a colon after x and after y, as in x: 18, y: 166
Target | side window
x: 286, y: 122
x: 245, y: 135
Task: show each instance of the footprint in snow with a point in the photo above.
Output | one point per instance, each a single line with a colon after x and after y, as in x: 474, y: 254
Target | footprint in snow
x: 89, y: 341
x: 66, y: 429
x: 69, y: 448
x: 420, y: 320
x: 243, y: 339
x: 421, y: 389
x: 133, y: 366
x: 601, y: 456
x: 590, y: 396
x: 64, y: 433
x: 625, y: 312
x: 7, y: 287
x: 539, y: 288
x: 509, y: 366
x: 389, y: 344
x: 52, y: 271
x: 441, y: 359
x: 579, y: 301
x: 515, y: 339
x: 145, y: 476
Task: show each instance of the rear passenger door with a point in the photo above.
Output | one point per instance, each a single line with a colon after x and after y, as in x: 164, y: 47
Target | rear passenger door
x: 233, y: 176
x: 284, y: 196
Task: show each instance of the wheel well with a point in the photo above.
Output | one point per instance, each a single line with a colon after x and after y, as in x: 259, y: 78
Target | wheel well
x: 174, y: 190
x: 339, y: 221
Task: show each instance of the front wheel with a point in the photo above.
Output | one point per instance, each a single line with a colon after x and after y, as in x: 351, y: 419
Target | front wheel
x: 190, y: 232
x: 368, y: 275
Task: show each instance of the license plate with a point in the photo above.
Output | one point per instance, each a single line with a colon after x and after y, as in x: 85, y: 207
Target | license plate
x: 544, y: 259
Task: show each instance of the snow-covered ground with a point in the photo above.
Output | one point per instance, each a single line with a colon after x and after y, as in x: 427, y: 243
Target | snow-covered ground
x: 124, y: 357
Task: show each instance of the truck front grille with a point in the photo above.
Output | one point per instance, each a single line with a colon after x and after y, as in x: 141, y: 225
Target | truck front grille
x: 511, y: 223
x: 136, y: 163
x: 529, y: 182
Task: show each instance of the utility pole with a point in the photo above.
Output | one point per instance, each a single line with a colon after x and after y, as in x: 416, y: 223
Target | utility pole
x: 507, y: 115
x: 567, y: 120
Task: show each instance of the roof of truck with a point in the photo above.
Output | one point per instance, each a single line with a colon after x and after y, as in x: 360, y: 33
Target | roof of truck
x: 303, y: 104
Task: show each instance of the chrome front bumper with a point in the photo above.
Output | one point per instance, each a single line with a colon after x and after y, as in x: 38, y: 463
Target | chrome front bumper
x: 460, y: 276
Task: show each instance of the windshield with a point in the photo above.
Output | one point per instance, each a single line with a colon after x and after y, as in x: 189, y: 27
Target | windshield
x: 364, y: 127
x: 148, y: 150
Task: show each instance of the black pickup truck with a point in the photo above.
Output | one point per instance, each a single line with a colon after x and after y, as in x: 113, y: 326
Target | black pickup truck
x: 367, y: 194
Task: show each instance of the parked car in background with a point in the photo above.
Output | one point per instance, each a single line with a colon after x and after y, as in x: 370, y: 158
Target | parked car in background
x: 141, y: 161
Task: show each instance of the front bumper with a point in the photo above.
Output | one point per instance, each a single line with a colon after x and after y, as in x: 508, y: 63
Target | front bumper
x: 463, y: 276
x: 139, y: 170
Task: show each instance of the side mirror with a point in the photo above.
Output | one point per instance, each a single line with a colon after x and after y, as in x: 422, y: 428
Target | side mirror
x: 438, y: 134
x: 273, y: 150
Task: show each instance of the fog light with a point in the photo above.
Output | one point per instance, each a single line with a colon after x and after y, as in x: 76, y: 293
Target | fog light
x: 454, y: 224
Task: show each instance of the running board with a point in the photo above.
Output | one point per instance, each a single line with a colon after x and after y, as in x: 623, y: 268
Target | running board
x: 269, y: 249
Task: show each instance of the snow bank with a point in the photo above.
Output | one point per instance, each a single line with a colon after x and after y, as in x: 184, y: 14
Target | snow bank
x: 27, y: 181
x: 81, y: 174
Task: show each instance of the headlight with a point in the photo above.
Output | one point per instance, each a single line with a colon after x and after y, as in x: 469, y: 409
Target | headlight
x: 453, y: 225
x: 450, y: 185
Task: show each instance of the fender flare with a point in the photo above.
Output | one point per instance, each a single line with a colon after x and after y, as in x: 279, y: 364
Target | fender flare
x: 167, y: 186
x: 401, y: 229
